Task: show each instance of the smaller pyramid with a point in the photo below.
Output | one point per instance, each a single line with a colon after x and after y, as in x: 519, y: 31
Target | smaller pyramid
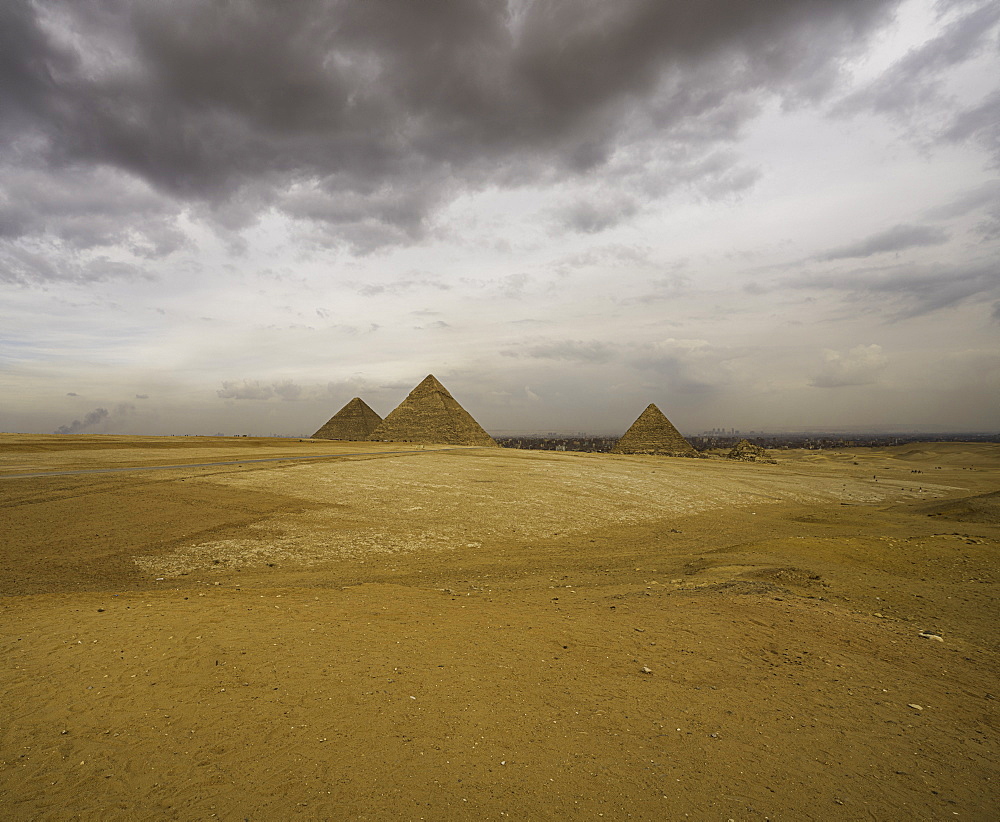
x: 430, y: 414
x: 746, y: 451
x: 355, y: 421
x: 653, y: 433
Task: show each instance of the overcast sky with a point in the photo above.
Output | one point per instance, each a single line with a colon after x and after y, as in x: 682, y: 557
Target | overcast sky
x: 235, y: 215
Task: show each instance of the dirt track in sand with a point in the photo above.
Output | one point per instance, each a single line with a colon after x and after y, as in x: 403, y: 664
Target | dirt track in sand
x: 462, y: 634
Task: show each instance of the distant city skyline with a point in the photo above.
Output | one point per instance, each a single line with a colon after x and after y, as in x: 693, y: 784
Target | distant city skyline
x: 236, y: 217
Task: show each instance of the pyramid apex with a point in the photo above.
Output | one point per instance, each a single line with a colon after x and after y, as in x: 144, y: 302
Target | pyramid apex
x: 355, y: 421
x: 431, y: 414
x: 652, y: 412
x: 431, y: 384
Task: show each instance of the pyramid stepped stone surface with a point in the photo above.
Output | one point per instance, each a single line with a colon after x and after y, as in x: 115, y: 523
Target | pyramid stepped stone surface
x: 431, y: 414
x: 653, y: 433
x: 746, y: 451
x: 355, y: 421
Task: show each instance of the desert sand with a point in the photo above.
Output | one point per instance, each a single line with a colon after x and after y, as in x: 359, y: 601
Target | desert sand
x: 404, y: 632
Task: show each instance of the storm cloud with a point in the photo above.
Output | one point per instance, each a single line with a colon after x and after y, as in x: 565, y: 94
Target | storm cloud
x: 365, y: 118
x: 897, y: 238
x: 917, y: 79
x: 907, y: 291
x: 246, y: 213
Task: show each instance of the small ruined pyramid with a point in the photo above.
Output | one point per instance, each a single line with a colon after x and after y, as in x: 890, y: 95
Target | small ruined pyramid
x: 653, y: 433
x: 746, y: 451
x: 355, y: 421
x: 430, y: 414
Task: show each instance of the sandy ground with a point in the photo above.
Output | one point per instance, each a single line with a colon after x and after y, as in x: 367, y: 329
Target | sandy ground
x: 403, y: 633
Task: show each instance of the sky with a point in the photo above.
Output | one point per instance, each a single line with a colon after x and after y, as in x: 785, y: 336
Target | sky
x: 233, y: 216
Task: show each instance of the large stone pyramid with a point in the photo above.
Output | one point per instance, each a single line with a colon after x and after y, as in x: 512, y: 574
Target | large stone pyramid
x: 430, y: 414
x: 355, y: 421
x: 653, y: 433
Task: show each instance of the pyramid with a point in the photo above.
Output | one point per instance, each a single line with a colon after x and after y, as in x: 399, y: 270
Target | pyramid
x: 746, y: 451
x: 653, y: 433
x: 430, y: 414
x: 355, y: 421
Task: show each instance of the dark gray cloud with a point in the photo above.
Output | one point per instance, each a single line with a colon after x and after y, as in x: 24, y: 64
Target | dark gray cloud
x: 90, y: 419
x: 689, y: 366
x: 985, y: 196
x: 246, y: 390
x: 593, y: 351
x: 291, y: 391
x: 97, y: 417
x: 83, y: 208
x: 362, y: 118
x: 984, y: 199
x: 907, y: 291
x: 42, y: 262
x: 897, y: 238
x: 591, y: 216
x: 980, y: 124
x: 915, y: 81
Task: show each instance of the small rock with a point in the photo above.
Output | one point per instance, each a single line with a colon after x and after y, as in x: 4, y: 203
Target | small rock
x: 646, y: 670
x: 931, y: 635
x: 915, y: 706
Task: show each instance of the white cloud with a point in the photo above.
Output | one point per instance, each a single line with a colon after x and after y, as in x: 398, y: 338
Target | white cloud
x: 861, y: 365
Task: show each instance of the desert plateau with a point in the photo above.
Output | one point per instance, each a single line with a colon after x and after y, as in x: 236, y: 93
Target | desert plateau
x: 269, y: 629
